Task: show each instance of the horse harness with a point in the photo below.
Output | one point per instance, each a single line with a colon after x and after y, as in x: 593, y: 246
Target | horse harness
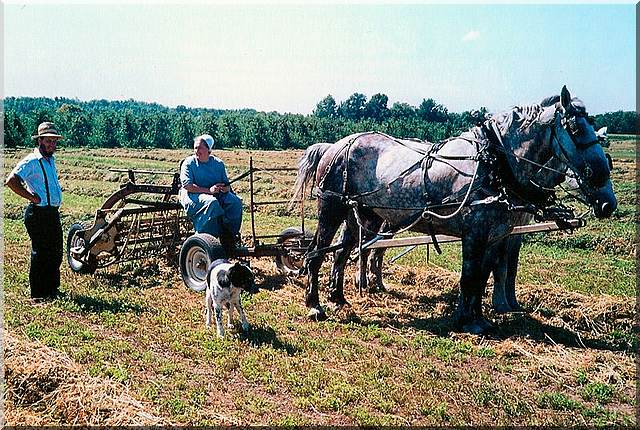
x: 499, y: 180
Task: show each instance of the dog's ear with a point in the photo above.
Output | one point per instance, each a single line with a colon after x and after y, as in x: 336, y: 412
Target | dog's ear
x: 223, y: 279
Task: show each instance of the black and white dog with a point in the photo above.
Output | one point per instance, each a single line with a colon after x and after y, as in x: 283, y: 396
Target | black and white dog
x: 225, y: 282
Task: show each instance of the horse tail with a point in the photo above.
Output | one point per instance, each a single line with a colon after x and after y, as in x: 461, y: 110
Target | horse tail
x: 307, y: 167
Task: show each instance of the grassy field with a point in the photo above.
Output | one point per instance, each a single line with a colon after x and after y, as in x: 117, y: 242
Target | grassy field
x: 129, y: 346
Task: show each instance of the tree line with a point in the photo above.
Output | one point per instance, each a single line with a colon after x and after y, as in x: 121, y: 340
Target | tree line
x: 134, y: 124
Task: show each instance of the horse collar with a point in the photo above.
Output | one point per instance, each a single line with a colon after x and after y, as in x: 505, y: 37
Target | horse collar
x: 505, y: 170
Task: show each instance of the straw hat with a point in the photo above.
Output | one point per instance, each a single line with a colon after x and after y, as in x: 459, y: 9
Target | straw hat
x: 47, y: 129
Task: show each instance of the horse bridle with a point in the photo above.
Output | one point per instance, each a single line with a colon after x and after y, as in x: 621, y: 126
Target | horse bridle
x: 569, y: 124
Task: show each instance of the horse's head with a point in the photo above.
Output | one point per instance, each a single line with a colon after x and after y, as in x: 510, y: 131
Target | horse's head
x: 576, y: 144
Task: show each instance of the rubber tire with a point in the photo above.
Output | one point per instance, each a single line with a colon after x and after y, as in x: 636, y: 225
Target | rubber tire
x: 75, y: 265
x: 196, y: 254
x: 283, y: 262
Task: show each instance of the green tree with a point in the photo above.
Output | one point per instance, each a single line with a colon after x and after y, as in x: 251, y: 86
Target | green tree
x: 376, y: 108
x: 228, y: 131
x: 207, y: 123
x: 182, y: 132
x: 14, y: 132
x: 159, y: 132
x: 401, y: 111
x: 105, y: 131
x: 326, y: 108
x: 353, y: 107
x: 128, y: 133
x: 431, y: 111
x: 254, y: 133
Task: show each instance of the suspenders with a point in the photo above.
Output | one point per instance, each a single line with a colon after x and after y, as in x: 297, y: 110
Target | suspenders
x: 46, y: 182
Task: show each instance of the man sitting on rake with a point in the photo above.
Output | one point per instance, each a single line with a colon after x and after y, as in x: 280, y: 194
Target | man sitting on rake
x: 207, y: 197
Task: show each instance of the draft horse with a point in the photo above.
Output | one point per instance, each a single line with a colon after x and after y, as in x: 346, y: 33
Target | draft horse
x: 477, y: 186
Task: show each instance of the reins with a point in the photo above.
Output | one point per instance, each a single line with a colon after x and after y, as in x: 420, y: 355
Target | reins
x: 540, y: 201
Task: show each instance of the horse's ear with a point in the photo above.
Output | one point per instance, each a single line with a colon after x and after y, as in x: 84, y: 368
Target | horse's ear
x: 565, y: 97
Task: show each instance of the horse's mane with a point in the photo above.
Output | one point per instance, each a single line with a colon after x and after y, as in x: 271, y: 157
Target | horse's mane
x: 523, y: 116
x: 519, y: 116
x: 550, y: 101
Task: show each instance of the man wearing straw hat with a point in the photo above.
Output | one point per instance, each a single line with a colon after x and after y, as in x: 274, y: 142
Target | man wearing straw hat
x: 35, y: 178
x: 207, y: 197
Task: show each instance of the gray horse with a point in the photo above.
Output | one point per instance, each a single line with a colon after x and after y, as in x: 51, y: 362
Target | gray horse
x: 506, y: 265
x: 477, y: 186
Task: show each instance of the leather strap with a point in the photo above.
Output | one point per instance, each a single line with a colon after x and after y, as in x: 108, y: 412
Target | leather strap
x: 46, y: 182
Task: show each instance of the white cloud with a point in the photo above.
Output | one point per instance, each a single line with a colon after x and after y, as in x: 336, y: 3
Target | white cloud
x: 472, y: 35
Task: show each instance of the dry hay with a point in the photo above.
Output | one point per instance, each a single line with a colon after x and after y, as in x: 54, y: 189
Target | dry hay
x: 44, y: 386
x: 430, y: 294
x: 598, y: 313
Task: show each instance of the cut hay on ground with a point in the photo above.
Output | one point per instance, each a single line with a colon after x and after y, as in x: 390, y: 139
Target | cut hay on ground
x: 45, y: 387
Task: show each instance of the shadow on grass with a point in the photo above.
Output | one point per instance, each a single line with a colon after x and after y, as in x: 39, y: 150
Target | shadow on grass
x: 88, y: 304
x: 505, y: 326
x: 273, y: 282
x: 440, y: 325
x: 128, y: 280
x: 524, y: 325
x: 259, y: 336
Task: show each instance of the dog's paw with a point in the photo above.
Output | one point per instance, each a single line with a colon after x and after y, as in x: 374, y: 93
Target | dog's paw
x: 317, y: 314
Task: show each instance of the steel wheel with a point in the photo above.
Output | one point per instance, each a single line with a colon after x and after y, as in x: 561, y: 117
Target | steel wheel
x: 290, y: 261
x: 74, y: 240
x: 196, y: 254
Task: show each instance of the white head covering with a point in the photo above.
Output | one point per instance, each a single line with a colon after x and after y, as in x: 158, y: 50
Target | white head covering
x: 207, y: 139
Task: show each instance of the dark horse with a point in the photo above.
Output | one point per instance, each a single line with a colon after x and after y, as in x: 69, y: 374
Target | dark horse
x: 476, y: 186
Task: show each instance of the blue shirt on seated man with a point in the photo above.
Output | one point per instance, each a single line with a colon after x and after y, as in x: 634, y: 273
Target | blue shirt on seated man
x: 206, y: 194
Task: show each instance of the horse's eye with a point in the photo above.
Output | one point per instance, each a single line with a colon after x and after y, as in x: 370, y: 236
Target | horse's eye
x: 573, y: 126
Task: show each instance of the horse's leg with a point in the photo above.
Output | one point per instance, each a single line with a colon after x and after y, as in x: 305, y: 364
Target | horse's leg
x: 374, y: 278
x: 336, y: 284
x: 371, y: 222
x: 330, y: 216
x: 513, y: 254
x: 499, y: 297
x: 472, y: 285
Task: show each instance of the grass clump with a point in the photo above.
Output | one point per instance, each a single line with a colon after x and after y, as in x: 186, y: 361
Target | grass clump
x: 557, y: 401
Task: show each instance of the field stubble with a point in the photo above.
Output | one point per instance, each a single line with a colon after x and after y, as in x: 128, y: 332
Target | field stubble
x: 387, y: 359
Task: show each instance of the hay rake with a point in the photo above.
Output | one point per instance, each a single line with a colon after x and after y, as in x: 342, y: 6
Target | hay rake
x: 144, y: 220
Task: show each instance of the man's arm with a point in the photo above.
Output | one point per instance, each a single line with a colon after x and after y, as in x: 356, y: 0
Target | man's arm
x: 214, y: 189
x: 15, y: 184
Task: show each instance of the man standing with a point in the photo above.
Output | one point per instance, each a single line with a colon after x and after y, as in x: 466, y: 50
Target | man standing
x: 207, y: 196
x: 35, y: 178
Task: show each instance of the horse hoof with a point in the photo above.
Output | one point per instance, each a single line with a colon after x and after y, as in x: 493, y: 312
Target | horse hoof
x: 502, y: 308
x: 515, y: 307
x: 507, y: 308
x: 486, y: 324
x: 473, y: 328
x: 377, y: 289
x: 335, y: 307
x: 480, y: 326
x: 316, y: 314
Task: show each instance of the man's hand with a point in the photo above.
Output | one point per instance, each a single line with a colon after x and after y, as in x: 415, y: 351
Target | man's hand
x: 219, y: 188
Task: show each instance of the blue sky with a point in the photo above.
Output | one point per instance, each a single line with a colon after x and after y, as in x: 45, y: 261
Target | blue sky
x: 287, y: 57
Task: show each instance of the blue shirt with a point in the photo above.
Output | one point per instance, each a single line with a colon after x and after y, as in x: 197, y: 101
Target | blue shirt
x: 29, y: 171
x: 202, y: 174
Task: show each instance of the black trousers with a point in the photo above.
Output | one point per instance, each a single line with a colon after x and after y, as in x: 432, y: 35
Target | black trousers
x: 45, y: 230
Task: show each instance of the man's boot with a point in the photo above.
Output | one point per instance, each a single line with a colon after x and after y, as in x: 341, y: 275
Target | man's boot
x: 228, y: 242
